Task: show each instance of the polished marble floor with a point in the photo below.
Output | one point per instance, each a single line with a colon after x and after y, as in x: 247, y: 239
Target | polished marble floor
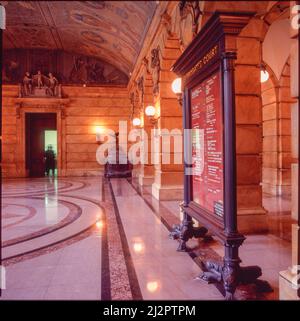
x: 88, y: 238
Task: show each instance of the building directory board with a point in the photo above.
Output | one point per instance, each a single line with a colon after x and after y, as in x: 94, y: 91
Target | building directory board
x: 207, y: 144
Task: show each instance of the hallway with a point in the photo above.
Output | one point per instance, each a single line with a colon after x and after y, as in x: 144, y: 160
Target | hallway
x: 84, y: 238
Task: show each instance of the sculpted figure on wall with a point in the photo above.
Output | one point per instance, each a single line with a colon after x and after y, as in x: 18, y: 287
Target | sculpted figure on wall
x: 39, y: 85
x: 78, y: 73
x: 192, y: 8
x: 52, y: 85
x: 27, y: 84
x: 189, y: 21
x: 86, y: 70
x: 11, y: 71
x: 38, y: 79
x: 155, y: 65
x: 140, y: 86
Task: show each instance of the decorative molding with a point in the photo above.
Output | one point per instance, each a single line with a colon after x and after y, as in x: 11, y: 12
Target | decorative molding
x: 55, y: 104
x: 42, y: 101
x: 18, y: 110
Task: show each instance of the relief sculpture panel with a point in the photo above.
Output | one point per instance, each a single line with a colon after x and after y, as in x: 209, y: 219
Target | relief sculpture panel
x: 26, y: 66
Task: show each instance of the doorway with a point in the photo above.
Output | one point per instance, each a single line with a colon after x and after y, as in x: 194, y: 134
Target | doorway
x: 41, y: 131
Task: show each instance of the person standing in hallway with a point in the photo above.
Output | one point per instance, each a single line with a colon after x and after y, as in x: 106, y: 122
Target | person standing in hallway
x: 49, y: 158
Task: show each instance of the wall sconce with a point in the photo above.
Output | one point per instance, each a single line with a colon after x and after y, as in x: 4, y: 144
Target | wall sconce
x: 150, y: 112
x: 99, y: 131
x: 264, y: 75
x: 136, y: 122
x: 176, y: 88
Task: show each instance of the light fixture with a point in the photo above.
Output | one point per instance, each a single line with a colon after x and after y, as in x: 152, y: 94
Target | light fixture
x: 136, y: 122
x: 176, y: 88
x: 99, y: 131
x: 150, y: 110
x: 264, y: 76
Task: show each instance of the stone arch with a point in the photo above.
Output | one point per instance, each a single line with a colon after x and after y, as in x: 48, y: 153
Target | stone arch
x: 275, y: 94
x: 284, y: 119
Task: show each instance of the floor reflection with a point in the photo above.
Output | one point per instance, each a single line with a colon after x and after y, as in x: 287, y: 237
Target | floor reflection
x: 91, y: 239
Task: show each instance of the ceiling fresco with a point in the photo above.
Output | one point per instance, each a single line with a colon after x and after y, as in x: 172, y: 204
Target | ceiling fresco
x: 111, y: 30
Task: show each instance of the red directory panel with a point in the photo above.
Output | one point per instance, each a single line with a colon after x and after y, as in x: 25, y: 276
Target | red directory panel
x: 207, y: 144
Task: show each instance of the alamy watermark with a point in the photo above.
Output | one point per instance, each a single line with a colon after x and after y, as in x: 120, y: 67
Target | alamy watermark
x: 295, y: 21
x: 164, y: 146
x: 2, y: 277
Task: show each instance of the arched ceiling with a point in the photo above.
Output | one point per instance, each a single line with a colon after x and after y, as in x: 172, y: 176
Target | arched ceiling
x: 111, y: 30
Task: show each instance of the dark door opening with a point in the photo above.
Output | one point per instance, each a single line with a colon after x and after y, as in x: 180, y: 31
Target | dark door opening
x: 40, y: 133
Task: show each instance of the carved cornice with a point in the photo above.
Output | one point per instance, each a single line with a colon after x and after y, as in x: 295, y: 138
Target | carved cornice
x: 41, y: 102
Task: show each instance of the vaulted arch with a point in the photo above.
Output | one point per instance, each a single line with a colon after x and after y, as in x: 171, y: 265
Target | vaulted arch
x: 110, y: 30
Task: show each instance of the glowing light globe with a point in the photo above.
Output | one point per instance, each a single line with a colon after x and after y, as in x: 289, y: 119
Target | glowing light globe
x: 176, y: 86
x: 264, y: 76
x: 150, y: 110
x: 136, y: 122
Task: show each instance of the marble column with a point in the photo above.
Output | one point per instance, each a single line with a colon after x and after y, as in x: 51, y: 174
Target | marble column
x: 289, y: 279
x: 146, y: 175
x: 168, y: 181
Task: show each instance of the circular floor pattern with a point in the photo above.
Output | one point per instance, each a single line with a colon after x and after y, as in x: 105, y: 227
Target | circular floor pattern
x: 74, y: 211
x: 37, y: 186
x: 28, y: 232
x: 91, y: 212
x: 9, y: 214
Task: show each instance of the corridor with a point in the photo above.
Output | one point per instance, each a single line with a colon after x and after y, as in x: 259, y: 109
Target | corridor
x: 92, y: 239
